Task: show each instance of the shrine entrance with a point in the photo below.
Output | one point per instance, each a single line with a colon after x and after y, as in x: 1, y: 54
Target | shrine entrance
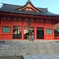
x: 40, y: 33
x: 26, y: 31
x: 17, y: 32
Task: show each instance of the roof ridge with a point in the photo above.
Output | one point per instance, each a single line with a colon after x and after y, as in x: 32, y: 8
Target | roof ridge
x: 20, y: 5
x: 10, y: 4
x: 41, y: 8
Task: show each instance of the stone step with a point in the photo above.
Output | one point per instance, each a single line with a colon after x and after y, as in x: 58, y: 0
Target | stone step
x: 11, y: 57
x: 29, y: 47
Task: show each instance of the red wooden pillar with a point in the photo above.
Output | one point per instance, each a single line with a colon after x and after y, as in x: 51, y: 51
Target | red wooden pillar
x: 0, y: 32
x: 44, y: 32
x: 22, y: 31
x: 0, y: 28
x: 53, y: 31
x: 12, y: 32
x: 35, y: 31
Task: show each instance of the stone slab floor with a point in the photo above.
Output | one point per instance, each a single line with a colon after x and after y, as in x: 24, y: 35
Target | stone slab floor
x: 47, y: 56
x: 35, y: 56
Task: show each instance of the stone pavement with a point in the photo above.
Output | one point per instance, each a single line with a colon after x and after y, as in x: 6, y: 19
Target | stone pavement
x: 40, y: 56
x: 35, y: 56
x: 25, y: 47
x: 11, y: 57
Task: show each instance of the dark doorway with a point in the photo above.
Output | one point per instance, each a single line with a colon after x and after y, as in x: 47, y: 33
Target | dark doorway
x: 40, y: 33
x: 16, y: 32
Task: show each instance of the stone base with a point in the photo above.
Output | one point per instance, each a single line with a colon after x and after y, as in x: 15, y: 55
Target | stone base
x: 26, y: 47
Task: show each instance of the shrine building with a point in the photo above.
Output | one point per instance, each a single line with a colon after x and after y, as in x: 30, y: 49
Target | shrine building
x: 15, y: 20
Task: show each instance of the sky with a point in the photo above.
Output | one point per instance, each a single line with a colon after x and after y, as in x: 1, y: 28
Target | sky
x: 51, y: 5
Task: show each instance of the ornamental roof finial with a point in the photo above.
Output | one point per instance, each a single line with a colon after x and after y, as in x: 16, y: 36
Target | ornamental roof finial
x: 29, y: 0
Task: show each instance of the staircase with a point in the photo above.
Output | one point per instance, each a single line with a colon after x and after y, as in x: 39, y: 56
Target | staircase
x: 25, y: 47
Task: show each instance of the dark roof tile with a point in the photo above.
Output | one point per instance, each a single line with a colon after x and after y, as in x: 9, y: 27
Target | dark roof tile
x: 14, y: 9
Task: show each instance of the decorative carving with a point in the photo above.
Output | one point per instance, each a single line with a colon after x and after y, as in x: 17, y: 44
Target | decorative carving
x: 29, y: 7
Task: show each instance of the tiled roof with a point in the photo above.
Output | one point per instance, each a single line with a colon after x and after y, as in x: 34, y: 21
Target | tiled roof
x: 14, y: 9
